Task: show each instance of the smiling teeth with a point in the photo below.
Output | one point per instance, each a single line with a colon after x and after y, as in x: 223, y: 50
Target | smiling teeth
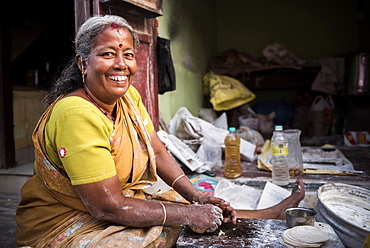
x: 118, y: 78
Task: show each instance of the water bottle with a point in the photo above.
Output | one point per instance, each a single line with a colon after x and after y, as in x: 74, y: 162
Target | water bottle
x: 279, y: 148
x: 233, y: 167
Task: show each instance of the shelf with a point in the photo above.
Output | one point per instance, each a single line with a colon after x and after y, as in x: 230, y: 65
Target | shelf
x: 279, y: 77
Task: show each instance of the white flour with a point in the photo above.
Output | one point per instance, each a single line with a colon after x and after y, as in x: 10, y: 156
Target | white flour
x: 351, y: 207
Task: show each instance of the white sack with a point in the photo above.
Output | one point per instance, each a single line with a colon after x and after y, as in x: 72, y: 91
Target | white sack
x: 180, y: 150
x: 186, y: 126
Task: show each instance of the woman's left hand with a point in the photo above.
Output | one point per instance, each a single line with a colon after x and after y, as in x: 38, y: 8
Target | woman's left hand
x: 229, y: 213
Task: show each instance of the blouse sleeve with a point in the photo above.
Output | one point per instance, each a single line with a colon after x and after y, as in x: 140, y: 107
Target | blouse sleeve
x: 79, y: 138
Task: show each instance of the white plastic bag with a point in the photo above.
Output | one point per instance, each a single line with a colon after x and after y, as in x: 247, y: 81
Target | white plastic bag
x: 210, y: 153
x: 277, y: 53
x: 207, y: 114
x: 183, y: 124
x: 180, y: 150
x: 320, y: 116
x: 221, y: 122
x: 320, y: 103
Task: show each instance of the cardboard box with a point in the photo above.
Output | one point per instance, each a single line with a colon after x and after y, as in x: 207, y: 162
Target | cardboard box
x: 357, y: 138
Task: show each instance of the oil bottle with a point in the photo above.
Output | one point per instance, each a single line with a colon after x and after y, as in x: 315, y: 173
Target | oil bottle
x: 233, y: 167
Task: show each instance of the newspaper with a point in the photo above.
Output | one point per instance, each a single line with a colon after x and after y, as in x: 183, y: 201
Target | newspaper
x: 239, y: 196
x: 273, y: 194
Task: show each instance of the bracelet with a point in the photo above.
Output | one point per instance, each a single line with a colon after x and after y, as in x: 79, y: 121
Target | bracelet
x: 164, y: 212
x: 177, y: 178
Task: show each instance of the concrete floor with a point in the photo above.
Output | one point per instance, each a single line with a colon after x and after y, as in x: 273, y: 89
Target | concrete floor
x: 8, y: 206
x: 11, y: 181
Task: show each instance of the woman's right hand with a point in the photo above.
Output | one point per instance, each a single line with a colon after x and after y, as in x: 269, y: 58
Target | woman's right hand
x: 205, y: 216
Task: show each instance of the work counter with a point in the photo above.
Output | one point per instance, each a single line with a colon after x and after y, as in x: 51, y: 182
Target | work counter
x: 358, y: 156
x: 248, y: 233
x: 265, y: 233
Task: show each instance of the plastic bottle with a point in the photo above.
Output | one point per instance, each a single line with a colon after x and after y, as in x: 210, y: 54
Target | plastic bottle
x: 279, y: 148
x: 233, y: 167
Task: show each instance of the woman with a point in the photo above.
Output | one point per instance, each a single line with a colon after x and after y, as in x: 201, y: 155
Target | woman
x: 96, y: 151
x: 94, y: 156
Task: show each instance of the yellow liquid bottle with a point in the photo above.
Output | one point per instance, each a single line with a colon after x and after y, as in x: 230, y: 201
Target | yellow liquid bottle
x: 233, y: 167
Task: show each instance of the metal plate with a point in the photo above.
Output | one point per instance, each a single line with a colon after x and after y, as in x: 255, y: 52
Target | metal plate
x: 325, y: 158
x: 347, y: 209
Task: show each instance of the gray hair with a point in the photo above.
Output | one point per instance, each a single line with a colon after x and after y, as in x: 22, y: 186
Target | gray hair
x: 70, y: 78
x: 95, y: 25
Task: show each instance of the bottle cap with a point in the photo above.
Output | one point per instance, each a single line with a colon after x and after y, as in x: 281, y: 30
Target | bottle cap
x: 232, y: 129
x: 278, y: 128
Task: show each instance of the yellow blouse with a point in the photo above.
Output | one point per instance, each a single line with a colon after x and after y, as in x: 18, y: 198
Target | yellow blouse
x: 78, y: 138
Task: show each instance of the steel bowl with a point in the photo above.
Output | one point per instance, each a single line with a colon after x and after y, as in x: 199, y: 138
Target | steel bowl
x: 300, y: 216
x: 346, y: 208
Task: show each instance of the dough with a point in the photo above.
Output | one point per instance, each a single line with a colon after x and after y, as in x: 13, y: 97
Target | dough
x: 309, y: 234
x: 198, y: 229
x: 303, y: 236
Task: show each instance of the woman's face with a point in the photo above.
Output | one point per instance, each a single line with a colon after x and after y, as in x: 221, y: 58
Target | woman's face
x: 111, y: 66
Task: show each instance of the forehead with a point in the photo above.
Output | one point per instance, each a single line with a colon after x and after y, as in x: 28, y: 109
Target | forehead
x: 112, y: 34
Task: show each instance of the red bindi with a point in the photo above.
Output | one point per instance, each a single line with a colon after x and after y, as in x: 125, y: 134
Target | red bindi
x: 114, y: 25
x: 120, y: 45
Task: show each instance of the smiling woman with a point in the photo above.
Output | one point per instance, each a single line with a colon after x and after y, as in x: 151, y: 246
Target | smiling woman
x: 96, y: 151
x: 110, y: 68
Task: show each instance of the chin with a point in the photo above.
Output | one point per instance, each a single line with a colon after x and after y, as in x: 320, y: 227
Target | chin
x: 122, y: 91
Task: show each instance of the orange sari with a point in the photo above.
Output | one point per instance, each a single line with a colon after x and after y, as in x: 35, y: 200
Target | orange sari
x: 51, y: 213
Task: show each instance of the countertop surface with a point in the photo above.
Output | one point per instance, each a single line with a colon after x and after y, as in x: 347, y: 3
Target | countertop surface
x: 248, y: 233
x: 358, y: 156
x: 265, y: 233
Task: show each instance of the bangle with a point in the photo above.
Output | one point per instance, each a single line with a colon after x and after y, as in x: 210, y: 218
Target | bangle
x: 164, y: 213
x: 177, y: 178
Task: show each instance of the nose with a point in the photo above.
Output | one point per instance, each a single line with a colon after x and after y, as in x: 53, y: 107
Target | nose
x: 120, y: 63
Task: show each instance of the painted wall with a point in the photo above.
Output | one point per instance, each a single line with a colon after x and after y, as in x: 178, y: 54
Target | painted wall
x: 27, y: 109
x: 198, y: 29
x: 191, y: 27
x: 309, y: 29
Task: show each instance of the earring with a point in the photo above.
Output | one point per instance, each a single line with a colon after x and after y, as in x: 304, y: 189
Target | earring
x: 83, y: 75
x: 82, y: 70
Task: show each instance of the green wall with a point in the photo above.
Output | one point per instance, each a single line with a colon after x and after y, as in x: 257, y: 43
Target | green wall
x: 191, y: 27
x: 198, y: 29
x: 310, y: 29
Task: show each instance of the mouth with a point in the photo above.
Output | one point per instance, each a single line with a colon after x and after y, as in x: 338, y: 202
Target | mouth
x: 119, y: 79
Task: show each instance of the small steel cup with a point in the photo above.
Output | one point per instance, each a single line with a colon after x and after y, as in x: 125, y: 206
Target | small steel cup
x: 300, y: 216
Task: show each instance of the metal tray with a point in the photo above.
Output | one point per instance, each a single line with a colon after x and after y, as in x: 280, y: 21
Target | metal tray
x: 325, y: 158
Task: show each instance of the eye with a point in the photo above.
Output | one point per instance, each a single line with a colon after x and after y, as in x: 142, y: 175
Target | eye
x: 129, y: 55
x: 107, y: 54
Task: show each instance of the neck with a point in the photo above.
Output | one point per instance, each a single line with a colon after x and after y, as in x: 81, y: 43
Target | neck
x: 107, y: 110
x: 109, y: 107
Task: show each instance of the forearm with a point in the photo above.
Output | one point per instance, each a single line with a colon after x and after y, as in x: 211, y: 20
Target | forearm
x: 105, y: 202
x: 169, y: 171
x: 110, y: 205
x: 142, y: 213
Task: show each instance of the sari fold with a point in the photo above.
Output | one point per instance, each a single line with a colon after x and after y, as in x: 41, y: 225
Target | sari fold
x: 69, y: 222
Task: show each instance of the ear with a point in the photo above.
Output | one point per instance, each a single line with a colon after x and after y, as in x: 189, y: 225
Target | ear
x: 80, y: 62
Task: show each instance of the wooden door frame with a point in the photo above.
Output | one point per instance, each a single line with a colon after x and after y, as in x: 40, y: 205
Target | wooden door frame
x: 7, y: 145
x: 82, y: 11
x: 149, y: 93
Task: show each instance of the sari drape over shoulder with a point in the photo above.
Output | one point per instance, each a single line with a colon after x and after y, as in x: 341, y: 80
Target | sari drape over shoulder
x: 51, y: 213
